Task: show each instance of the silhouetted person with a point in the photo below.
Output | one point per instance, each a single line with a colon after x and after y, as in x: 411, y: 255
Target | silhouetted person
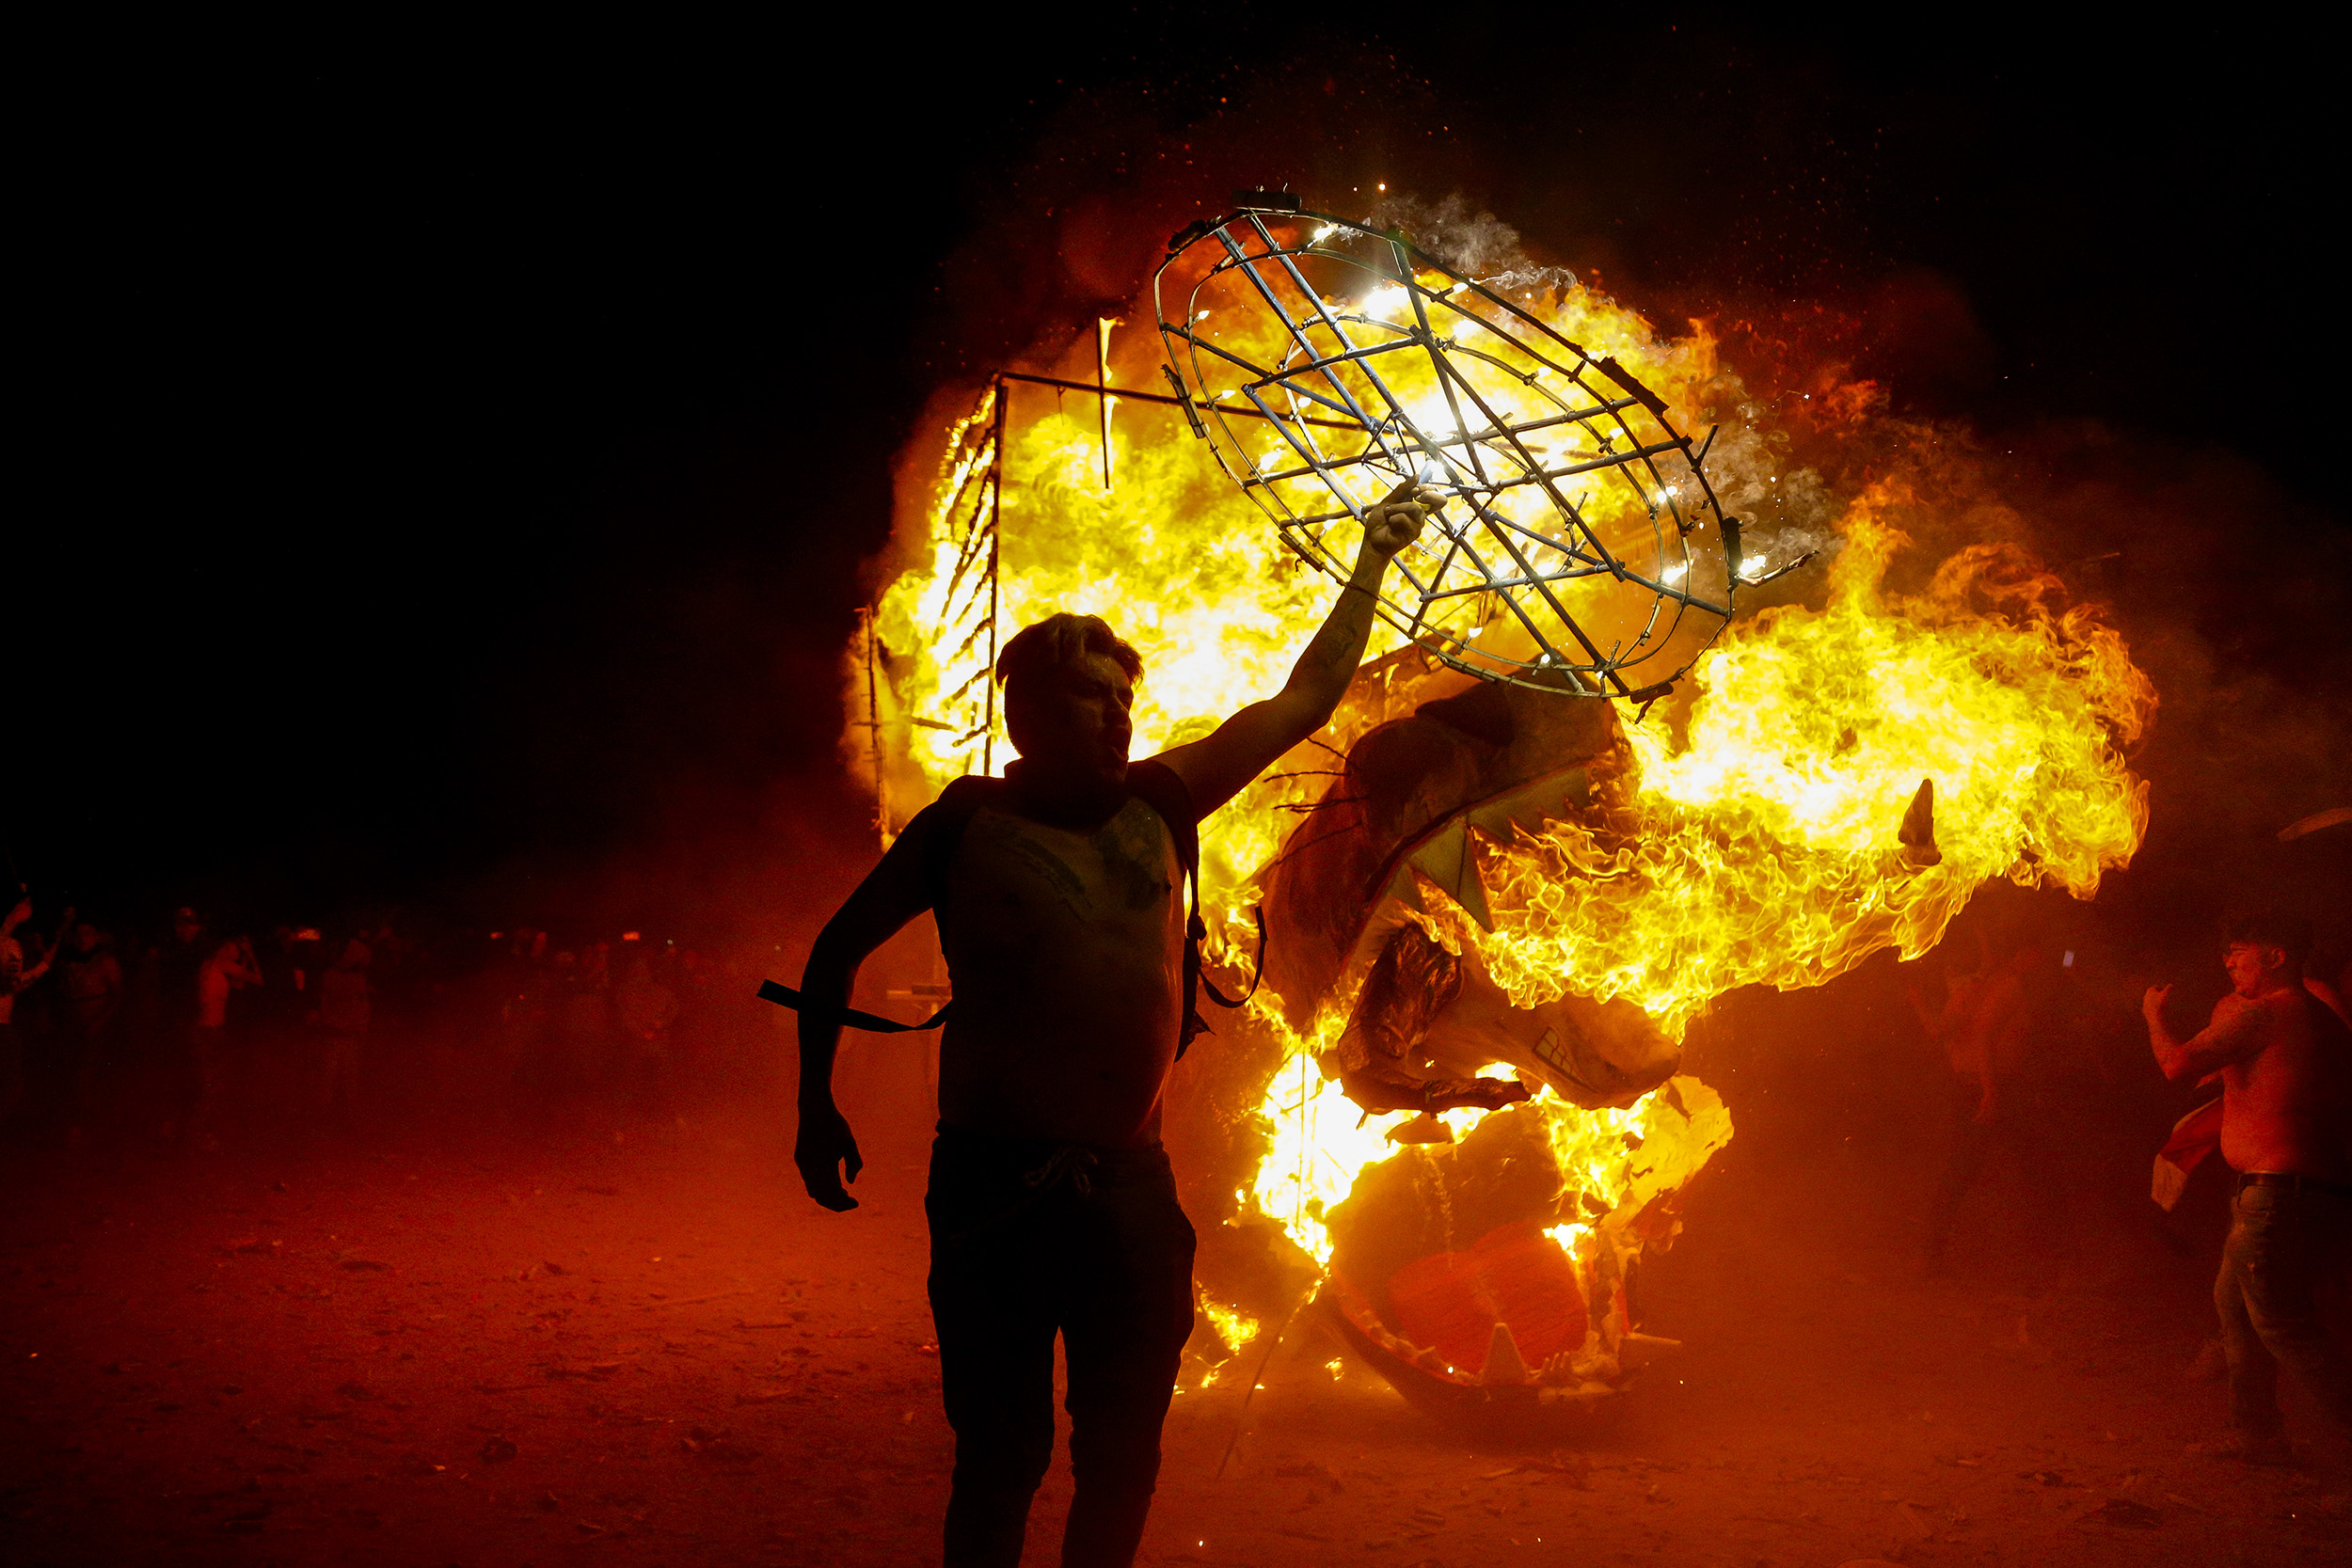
x: 583, y: 1019
x: 1059, y: 893
x: 344, y: 1011
x: 167, y: 983
x: 644, y: 1009
x: 90, y: 980
x: 229, y: 967
x: 16, y: 974
x: 2285, y: 1061
x: 1987, y: 1029
x: 525, y: 982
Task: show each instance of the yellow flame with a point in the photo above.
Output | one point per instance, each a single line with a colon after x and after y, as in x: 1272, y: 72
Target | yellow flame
x: 1233, y: 1325
x: 1762, y: 847
x: 1753, y: 839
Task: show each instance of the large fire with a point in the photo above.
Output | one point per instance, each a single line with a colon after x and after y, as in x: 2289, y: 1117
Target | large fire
x: 1750, y: 837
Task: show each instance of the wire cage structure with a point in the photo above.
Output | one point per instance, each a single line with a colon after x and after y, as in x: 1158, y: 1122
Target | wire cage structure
x: 1580, y: 548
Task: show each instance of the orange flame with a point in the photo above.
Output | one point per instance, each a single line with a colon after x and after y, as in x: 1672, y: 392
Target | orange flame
x: 1756, y: 845
x: 1762, y: 850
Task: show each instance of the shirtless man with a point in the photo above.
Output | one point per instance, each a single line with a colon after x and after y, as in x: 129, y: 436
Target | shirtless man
x: 2286, y: 1062
x: 1986, y: 1029
x: 1061, y: 908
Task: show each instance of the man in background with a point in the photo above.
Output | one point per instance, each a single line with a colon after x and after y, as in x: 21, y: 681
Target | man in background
x: 2285, y: 1061
x: 16, y: 974
x: 91, y: 979
x: 1987, y: 1028
x: 229, y: 968
x: 344, y: 1011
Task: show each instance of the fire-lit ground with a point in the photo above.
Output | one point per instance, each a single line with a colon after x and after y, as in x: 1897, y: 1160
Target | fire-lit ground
x: 324, y: 1358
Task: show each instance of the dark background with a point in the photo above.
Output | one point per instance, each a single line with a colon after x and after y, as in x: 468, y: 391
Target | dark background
x: 451, y: 458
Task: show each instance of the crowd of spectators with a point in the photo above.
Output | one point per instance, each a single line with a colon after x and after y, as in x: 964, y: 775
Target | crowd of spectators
x: 195, y: 1029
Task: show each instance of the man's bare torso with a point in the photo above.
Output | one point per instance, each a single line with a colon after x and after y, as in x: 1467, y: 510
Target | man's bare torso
x: 1065, y: 948
x: 1984, y: 1025
x: 2287, y: 1106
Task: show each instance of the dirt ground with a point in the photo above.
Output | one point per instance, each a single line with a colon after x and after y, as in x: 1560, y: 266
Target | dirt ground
x: 634, y: 1341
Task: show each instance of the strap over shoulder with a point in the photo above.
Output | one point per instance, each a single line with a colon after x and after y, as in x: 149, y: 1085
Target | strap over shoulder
x: 1162, y: 789
x: 1165, y: 791
x: 941, y: 826
x: 938, y: 831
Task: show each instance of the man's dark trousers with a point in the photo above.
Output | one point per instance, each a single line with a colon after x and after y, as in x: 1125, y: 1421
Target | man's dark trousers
x: 2284, y: 1241
x: 1031, y: 1239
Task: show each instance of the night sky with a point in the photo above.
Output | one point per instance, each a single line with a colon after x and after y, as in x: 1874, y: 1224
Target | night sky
x: 451, y: 458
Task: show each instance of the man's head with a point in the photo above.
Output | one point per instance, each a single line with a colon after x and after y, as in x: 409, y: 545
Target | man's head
x: 85, y: 935
x: 1070, y: 683
x: 2266, y: 951
x: 185, y: 926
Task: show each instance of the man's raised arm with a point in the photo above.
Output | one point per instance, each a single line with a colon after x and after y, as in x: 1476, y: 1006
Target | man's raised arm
x: 2234, y: 1034
x: 892, y: 895
x: 1220, y: 766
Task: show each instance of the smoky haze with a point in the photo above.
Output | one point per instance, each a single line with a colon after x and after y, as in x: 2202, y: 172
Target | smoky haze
x: 456, y: 472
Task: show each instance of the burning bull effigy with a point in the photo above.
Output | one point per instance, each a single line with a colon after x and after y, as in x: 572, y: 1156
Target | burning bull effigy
x: 1580, y: 789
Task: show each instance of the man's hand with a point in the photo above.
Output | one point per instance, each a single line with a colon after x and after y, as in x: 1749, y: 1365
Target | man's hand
x: 2152, y: 1005
x: 823, y: 1151
x: 1394, y: 520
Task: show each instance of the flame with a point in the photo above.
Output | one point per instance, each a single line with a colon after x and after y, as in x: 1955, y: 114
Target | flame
x: 1321, y: 1142
x: 1751, y: 839
x: 1233, y: 1325
x: 1760, y: 851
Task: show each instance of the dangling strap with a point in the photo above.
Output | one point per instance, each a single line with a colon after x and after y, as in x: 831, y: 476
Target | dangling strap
x: 1164, y: 790
x: 1258, y: 975
x: 784, y: 996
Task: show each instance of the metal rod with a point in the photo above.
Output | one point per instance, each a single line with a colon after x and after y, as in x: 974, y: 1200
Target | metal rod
x: 1173, y: 403
x: 873, y: 724
x: 1297, y: 332
x: 1369, y: 456
x: 996, y: 532
x: 1101, y: 389
x: 1536, y: 476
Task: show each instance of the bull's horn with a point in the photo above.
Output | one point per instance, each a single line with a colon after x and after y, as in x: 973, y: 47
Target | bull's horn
x: 1917, y: 833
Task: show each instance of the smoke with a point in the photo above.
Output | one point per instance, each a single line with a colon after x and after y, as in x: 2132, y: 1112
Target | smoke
x: 1788, y: 509
x: 1476, y: 243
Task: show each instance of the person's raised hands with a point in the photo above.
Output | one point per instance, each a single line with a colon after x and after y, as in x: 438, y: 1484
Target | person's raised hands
x: 1395, y: 519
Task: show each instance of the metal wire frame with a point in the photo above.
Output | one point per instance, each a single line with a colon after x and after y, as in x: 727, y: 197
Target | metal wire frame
x: 971, y: 516
x: 1485, y: 566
